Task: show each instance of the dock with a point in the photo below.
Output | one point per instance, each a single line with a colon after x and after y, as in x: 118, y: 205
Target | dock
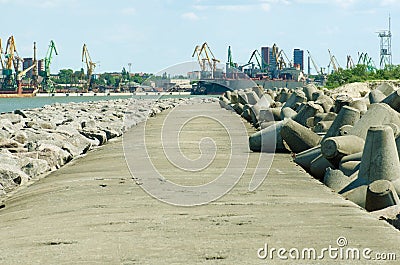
x: 93, y: 211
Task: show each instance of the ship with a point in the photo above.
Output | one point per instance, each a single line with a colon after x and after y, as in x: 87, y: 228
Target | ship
x: 288, y: 78
x: 26, y: 93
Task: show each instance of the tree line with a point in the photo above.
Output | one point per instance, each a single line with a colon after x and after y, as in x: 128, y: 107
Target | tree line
x: 69, y: 76
x: 362, y: 73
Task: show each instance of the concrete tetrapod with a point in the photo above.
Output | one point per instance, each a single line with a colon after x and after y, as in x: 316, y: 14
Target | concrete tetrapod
x: 341, y: 101
x: 335, y: 179
x: 346, y: 116
x: 319, y: 166
x: 309, y: 109
x: 386, y: 88
x: 380, y: 194
x: 377, y: 114
x: 393, y: 100
x: 380, y: 159
x: 298, y: 137
x: 322, y: 126
x: 309, y: 90
x: 325, y: 101
x: 287, y: 112
x: 297, y: 97
x: 376, y: 96
x: 268, y: 140
x: 335, y: 148
x: 361, y: 105
x: 305, y: 158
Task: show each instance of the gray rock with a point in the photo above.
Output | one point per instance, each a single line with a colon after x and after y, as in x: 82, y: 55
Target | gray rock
x: 11, y: 177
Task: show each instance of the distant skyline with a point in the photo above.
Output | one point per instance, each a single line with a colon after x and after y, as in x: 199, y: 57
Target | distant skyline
x: 156, y: 34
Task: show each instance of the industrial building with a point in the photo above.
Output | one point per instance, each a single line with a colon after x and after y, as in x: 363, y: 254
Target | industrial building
x: 268, y: 59
x: 298, y: 59
x: 28, y: 62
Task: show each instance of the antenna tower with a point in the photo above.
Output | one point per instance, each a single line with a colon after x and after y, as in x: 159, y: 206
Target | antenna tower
x: 385, y: 47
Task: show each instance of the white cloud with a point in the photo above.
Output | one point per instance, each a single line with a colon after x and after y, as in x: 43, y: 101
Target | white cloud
x: 266, y: 7
x: 200, y: 7
x: 190, y: 16
x: 389, y: 2
x: 234, y: 7
x: 346, y: 3
x: 128, y: 11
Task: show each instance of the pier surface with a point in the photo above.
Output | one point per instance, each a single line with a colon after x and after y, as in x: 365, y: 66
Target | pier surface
x: 92, y: 212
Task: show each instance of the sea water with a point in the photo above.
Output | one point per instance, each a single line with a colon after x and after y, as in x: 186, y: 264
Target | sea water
x: 11, y: 104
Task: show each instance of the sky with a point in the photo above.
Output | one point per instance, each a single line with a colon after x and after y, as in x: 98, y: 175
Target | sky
x: 155, y: 34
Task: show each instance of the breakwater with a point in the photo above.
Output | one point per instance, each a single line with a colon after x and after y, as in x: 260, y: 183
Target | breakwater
x: 36, y: 141
x: 350, y: 143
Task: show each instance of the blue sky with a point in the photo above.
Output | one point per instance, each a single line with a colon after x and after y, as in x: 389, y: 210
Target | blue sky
x: 156, y: 34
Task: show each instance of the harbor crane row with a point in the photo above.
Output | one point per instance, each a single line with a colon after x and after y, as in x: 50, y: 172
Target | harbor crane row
x: 206, y: 58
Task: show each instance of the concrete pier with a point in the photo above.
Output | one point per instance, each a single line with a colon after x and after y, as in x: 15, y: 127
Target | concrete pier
x: 91, y: 211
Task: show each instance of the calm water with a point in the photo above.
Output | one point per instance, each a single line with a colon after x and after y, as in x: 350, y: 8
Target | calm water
x: 11, y: 104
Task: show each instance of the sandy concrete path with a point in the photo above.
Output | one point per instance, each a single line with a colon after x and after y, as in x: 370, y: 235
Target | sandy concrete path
x: 93, y: 212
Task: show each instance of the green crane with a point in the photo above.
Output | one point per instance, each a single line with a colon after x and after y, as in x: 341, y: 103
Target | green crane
x: 230, y: 61
x: 47, y: 84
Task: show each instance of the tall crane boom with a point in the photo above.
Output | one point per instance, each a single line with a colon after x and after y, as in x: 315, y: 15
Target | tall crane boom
x: 11, y: 61
x: 333, y: 61
x: 1, y: 54
x: 317, y: 69
x: 47, y: 84
x: 90, y: 66
x: 49, y: 56
x: 206, y: 57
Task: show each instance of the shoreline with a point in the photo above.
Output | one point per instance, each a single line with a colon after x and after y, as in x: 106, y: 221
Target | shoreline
x: 112, y: 94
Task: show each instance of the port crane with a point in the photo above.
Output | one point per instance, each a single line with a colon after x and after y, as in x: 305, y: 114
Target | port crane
x: 11, y: 61
x: 22, y: 73
x: 350, y: 62
x: 1, y: 55
x: 287, y: 58
x: 206, y: 57
x: 317, y: 69
x: 90, y: 66
x: 47, y: 84
x: 364, y: 59
x: 278, y: 56
x: 255, y: 55
x: 231, y: 64
x: 333, y: 62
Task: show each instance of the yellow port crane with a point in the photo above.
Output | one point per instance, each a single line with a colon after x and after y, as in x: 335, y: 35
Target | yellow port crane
x: 278, y: 56
x: 11, y: 60
x: 21, y: 74
x: 333, y: 62
x: 1, y: 54
x: 206, y: 57
x: 90, y: 66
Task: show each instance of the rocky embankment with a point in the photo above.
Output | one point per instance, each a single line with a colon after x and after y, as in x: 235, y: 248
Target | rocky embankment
x: 349, y: 141
x: 37, y: 141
